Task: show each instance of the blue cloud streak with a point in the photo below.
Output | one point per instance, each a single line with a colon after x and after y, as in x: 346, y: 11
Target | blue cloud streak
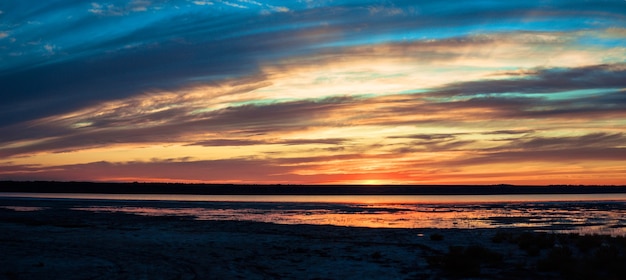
x: 63, y: 55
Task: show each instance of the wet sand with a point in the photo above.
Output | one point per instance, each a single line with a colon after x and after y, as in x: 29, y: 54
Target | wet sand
x: 56, y: 242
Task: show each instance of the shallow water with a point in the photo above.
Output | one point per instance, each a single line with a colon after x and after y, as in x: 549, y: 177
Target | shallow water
x: 584, y: 218
x: 584, y: 214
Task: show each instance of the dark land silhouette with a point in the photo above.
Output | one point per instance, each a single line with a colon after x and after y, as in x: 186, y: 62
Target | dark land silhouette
x: 277, y: 189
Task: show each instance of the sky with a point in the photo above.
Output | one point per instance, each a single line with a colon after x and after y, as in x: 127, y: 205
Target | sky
x: 528, y: 92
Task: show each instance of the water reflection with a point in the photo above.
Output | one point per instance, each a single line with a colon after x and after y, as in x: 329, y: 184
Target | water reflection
x: 575, y: 217
x: 23, y: 208
x: 586, y: 214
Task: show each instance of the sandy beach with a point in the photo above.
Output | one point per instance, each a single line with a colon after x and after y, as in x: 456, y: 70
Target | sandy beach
x: 49, y: 239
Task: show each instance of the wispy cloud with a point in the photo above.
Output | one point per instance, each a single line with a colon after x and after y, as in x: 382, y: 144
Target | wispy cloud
x: 202, y: 3
x: 235, y: 5
x: 313, y: 91
x: 545, y: 81
x: 248, y: 142
x: 602, y: 140
x: 106, y: 9
x: 175, y: 117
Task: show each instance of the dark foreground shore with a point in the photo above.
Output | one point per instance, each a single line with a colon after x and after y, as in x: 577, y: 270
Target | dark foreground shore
x: 57, y: 242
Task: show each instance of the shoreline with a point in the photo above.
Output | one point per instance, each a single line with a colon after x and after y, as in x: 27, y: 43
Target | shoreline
x: 55, y: 241
x: 331, y: 199
x: 278, y: 189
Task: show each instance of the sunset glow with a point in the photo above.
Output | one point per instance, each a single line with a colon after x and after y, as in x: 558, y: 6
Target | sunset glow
x: 314, y: 92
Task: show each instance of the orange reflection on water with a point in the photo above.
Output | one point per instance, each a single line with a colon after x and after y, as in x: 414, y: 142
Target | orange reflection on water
x: 585, y: 218
x: 23, y: 208
x: 586, y: 214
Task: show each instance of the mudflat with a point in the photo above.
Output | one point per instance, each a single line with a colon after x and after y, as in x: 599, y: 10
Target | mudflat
x: 49, y: 239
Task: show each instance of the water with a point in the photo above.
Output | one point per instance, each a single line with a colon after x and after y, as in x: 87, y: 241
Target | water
x: 571, y: 213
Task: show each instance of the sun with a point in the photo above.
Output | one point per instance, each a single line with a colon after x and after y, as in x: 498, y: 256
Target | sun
x: 372, y: 182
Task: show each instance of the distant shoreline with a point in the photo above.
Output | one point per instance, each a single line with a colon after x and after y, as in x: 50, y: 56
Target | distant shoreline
x: 243, y: 189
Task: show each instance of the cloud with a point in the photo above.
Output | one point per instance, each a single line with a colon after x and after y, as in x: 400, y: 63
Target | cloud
x: 431, y: 146
x: 310, y: 89
x: 50, y: 48
x: 325, y: 141
x: 329, y: 169
x: 387, y: 11
x: 179, y: 50
x: 563, y: 156
x: 229, y: 142
x: 113, y: 10
x: 553, y: 80
x: 202, y: 3
x: 510, y: 131
x: 106, y: 10
x: 235, y: 5
x: 139, y: 5
x: 600, y: 139
x: 591, y: 147
x: 13, y: 170
x: 248, y: 142
x: 124, y: 125
x: 427, y: 137
x: 240, y: 170
x: 184, y: 118
x: 244, y: 170
x: 280, y: 9
x: 251, y: 2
